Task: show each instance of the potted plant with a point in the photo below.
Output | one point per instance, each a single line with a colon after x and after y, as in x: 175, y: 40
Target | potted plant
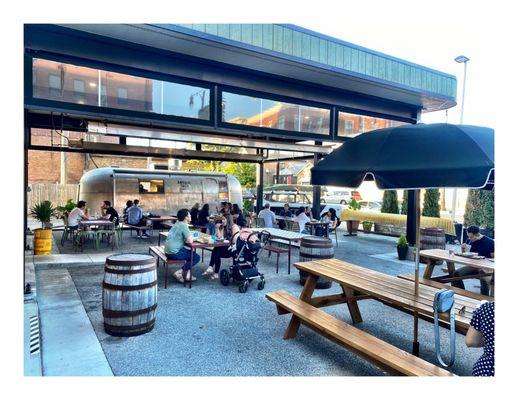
x: 402, y: 247
x: 43, y: 212
x: 367, y: 226
x: 352, y: 224
x: 63, y: 211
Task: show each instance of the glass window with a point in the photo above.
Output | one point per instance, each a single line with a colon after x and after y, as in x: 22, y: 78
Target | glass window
x: 54, y: 85
x: 74, y: 84
x: 350, y: 125
x: 266, y: 113
x: 151, y: 186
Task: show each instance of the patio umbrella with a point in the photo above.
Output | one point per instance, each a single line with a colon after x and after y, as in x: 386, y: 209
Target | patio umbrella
x: 413, y: 157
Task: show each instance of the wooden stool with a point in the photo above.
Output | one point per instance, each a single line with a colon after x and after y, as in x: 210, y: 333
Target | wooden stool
x: 277, y: 250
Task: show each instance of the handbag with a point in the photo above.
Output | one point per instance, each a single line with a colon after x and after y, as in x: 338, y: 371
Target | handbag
x: 443, y: 302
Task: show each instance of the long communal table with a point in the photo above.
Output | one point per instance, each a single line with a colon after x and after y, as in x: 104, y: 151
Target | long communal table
x: 486, y: 266
x: 288, y: 236
x: 359, y: 283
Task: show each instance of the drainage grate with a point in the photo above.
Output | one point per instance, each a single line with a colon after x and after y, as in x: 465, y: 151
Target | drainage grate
x: 34, y: 337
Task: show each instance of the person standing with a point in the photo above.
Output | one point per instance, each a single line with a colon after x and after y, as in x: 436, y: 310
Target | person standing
x: 194, y: 213
x: 136, y: 218
x: 179, y: 236
x: 267, y: 215
x: 481, y: 333
x: 285, y: 212
x: 483, y: 246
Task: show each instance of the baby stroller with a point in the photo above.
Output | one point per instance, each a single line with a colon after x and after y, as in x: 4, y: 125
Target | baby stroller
x: 244, y: 264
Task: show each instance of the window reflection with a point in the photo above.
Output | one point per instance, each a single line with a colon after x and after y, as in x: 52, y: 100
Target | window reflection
x: 265, y: 113
x: 82, y: 85
x: 350, y: 125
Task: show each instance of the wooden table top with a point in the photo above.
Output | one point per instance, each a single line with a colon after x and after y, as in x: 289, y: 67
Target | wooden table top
x: 162, y: 218
x: 89, y: 222
x: 389, y: 288
x: 444, y: 255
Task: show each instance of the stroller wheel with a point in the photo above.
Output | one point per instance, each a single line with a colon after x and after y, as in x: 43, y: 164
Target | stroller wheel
x: 243, y: 287
x: 224, y: 277
x: 260, y: 285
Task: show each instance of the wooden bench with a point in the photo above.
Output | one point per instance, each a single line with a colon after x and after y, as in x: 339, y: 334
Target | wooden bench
x: 382, y: 354
x: 159, y: 252
x: 277, y: 250
x: 139, y: 229
x: 439, y: 285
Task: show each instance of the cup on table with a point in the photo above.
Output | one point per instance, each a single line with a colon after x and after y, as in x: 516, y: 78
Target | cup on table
x: 464, y: 247
x: 196, y: 234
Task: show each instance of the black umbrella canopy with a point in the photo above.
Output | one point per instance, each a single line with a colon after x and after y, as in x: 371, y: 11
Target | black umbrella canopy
x: 412, y: 157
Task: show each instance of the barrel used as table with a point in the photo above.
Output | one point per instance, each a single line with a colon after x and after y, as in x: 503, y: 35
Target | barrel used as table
x: 314, y: 248
x: 129, y: 294
x: 432, y: 238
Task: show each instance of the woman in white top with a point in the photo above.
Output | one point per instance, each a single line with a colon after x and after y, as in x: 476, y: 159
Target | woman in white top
x: 302, y: 219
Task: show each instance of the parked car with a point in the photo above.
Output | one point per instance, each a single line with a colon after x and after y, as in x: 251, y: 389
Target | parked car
x: 371, y: 205
x: 340, y: 197
x: 277, y: 199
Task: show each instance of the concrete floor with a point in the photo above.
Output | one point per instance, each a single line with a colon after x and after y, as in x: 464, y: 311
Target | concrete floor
x: 215, y: 330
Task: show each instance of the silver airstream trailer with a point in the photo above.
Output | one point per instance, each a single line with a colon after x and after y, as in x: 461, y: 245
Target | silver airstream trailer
x: 160, y: 192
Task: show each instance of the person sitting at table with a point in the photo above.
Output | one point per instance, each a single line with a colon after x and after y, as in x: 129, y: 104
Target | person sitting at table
x: 302, y: 219
x: 136, y: 218
x: 481, y: 333
x: 483, y: 246
x: 225, y: 230
x: 308, y: 212
x: 285, y: 212
x: 194, y: 213
x: 77, y: 215
x: 203, y: 220
x: 238, y: 216
x: 109, y: 213
x: 267, y: 215
x: 332, y: 222
x: 129, y: 204
x: 175, y: 249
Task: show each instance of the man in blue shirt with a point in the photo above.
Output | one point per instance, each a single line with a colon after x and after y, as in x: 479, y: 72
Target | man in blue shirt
x: 135, y: 217
x: 483, y: 246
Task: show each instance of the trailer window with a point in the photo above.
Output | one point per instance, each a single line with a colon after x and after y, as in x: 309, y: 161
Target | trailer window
x: 151, y: 186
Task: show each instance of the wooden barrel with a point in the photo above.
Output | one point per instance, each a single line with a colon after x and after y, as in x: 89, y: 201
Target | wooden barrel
x: 42, y: 241
x: 315, y: 248
x: 432, y: 238
x: 129, y: 294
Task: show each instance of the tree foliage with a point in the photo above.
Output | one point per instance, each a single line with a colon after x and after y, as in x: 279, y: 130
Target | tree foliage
x: 480, y: 208
x: 431, y: 207
x: 389, y: 204
x: 244, y: 172
x: 404, y: 204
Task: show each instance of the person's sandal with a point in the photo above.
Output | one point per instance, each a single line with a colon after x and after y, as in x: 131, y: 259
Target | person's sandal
x: 208, y: 271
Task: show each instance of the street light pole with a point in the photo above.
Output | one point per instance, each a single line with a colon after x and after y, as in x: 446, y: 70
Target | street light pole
x: 461, y: 60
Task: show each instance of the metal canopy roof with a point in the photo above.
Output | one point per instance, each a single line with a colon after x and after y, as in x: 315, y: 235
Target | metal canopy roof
x: 292, y: 52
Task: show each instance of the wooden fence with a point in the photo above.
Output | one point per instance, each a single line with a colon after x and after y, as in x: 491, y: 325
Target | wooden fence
x: 56, y: 193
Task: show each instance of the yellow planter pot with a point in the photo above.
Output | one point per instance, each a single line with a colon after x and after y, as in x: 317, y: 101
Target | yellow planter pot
x: 42, y: 241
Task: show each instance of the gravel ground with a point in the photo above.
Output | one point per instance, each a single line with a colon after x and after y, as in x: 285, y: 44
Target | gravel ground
x: 211, y: 330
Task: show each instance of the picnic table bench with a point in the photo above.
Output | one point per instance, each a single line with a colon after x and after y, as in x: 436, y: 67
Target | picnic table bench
x: 438, y: 285
x: 159, y: 252
x: 384, y: 355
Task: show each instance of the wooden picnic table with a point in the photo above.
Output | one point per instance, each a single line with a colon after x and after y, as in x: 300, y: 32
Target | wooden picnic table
x: 288, y: 236
x: 162, y: 218
x: 487, y: 266
x: 359, y: 283
x: 95, y: 222
x: 312, y: 224
x: 203, y: 241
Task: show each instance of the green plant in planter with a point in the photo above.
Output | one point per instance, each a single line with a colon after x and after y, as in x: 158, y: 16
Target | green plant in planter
x: 354, y: 205
x: 67, y: 208
x: 43, y: 212
x: 402, y: 247
x: 367, y: 226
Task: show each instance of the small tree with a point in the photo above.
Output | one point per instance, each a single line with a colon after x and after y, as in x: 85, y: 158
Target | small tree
x: 244, y: 172
x: 431, y: 206
x: 389, y: 204
x: 404, y: 205
x: 480, y: 208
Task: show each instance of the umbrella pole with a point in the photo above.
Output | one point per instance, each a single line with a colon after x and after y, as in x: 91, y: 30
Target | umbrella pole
x: 417, y: 194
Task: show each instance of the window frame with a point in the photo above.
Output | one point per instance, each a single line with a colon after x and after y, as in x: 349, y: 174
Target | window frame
x: 149, y: 181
